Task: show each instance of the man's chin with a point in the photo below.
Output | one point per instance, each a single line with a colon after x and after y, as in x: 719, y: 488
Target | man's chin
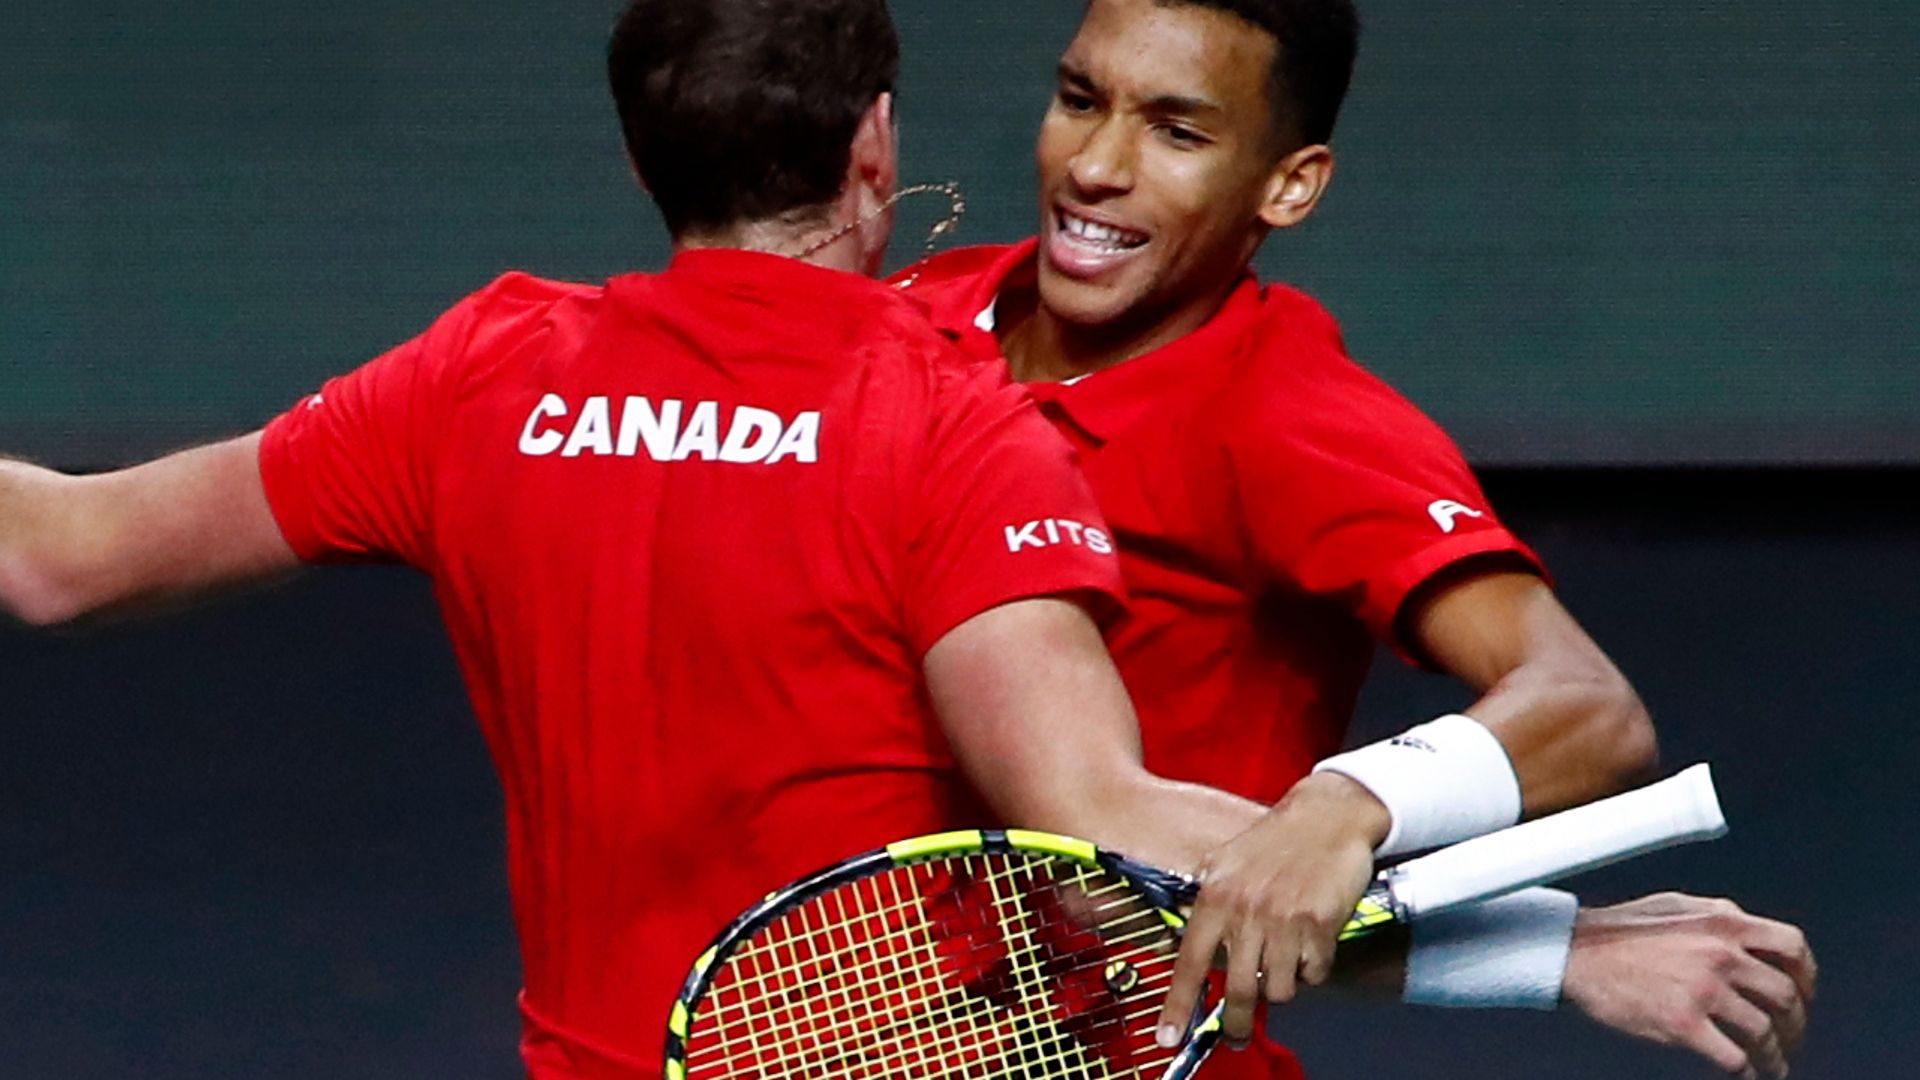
x: 1089, y: 304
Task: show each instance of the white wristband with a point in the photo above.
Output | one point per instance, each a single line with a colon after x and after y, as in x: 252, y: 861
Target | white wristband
x: 1506, y: 953
x: 1442, y: 782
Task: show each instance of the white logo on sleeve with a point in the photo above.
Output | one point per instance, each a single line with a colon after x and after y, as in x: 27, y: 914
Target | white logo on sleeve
x: 669, y: 431
x: 1052, y: 532
x: 1447, y: 514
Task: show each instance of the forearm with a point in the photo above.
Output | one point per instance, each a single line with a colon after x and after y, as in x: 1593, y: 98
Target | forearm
x: 1569, y: 723
x: 1163, y: 823
x: 1574, y: 732
x: 72, y: 546
x: 31, y: 538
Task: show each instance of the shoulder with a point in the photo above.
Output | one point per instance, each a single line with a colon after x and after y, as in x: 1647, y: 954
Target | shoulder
x: 1296, y: 387
x: 497, y: 320
x: 513, y: 297
x: 518, y: 288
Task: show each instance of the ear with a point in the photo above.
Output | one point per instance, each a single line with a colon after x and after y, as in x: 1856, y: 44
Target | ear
x: 1295, y: 186
x: 875, y: 164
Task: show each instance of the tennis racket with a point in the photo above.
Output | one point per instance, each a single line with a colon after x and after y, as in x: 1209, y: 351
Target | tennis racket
x: 993, y: 954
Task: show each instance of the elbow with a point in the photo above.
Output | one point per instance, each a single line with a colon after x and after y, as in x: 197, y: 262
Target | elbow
x: 1624, y: 735
x: 36, y: 598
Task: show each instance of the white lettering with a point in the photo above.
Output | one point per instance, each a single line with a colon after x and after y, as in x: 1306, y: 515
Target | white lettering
x: 593, y: 431
x: 666, y: 429
x: 537, y: 443
x: 702, y: 435
x: 639, y: 422
x: 1447, y: 514
x: 801, y: 442
x: 1058, y: 531
x: 759, y: 425
x: 1027, y: 536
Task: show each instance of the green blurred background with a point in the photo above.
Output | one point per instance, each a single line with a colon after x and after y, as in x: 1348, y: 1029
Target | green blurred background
x: 1610, y: 233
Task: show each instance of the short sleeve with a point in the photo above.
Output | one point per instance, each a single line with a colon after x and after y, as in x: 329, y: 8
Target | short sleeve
x: 1349, y: 492
x: 1000, y: 512
x: 349, y: 470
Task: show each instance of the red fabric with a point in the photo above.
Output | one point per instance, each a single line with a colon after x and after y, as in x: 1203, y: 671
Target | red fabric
x: 699, y: 678
x: 1275, y: 506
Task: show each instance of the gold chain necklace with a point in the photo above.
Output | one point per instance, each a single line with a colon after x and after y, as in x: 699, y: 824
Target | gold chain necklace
x: 957, y: 209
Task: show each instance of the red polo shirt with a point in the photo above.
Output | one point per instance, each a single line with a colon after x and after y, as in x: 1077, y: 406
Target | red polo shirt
x: 1275, y: 506
x: 691, y: 535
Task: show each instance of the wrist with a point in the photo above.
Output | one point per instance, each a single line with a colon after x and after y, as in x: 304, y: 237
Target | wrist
x: 1350, y: 801
x: 1514, y: 952
x: 1441, y: 783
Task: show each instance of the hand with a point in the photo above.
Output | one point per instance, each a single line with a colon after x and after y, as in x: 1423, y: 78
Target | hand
x: 1703, y: 974
x: 1275, y: 898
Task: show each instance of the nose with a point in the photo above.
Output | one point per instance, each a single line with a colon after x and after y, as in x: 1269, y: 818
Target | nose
x: 1104, y: 163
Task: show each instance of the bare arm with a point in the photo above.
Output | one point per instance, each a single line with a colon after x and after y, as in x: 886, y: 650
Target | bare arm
x: 1570, y: 722
x: 1677, y: 970
x: 1698, y: 974
x: 71, y: 546
x: 1042, y: 725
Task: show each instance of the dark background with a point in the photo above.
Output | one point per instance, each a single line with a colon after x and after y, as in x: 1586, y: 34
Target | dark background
x: 1629, y: 231
x: 263, y: 840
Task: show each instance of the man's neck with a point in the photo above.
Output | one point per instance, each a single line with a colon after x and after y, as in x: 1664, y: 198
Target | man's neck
x: 824, y: 244
x: 1042, y: 347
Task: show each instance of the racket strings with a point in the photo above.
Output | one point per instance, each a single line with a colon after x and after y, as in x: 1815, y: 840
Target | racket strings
x: 1041, y: 1048
x: 864, y: 1036
x: 901, y: 914
x: 827, y: 965
x: 885, y: 969
x: 951, y: 1002
x: 796, y: 999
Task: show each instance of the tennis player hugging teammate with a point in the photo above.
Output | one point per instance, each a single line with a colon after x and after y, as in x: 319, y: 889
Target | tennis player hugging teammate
x: 723, y: 549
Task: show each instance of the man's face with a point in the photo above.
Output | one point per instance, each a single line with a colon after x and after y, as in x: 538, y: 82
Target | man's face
x: 1154, y: 159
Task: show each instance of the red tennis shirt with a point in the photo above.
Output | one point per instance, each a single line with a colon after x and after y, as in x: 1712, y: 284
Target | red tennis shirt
x: 1275, y: 506
x: 691, y: 534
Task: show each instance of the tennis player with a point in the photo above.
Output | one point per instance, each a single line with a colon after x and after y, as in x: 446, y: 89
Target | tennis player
x: 745, y: 567
x: 1278, y: 509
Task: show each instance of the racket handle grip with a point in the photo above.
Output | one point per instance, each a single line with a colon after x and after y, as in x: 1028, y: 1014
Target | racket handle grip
x: 1679, y: 810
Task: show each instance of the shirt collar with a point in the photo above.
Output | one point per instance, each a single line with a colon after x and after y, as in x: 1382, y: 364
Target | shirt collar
x: 1106, y: 402
x: 762, y: 278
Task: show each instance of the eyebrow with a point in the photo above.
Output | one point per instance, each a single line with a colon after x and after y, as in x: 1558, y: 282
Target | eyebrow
x: 1163, y: 104
x: 1068, y: 73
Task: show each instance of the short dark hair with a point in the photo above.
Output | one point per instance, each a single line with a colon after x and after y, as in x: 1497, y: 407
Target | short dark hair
x: 1318, y: 43
x: 745, y: 110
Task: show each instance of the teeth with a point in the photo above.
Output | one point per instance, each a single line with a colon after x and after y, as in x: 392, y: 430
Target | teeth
x: 1102, y: 235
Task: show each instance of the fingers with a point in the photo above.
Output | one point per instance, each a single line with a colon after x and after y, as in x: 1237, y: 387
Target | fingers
x: 1705, y: 1038
x: 1318, y: 943
x: 1786, y: 948
x: 1778, y: 994
x: 1203, y: 936
x: 1751, y: 1028
x: 1244, y: 955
